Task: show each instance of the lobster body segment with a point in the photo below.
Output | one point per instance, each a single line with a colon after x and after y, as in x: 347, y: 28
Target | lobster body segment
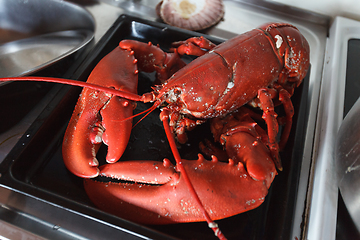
x: 214, y: 84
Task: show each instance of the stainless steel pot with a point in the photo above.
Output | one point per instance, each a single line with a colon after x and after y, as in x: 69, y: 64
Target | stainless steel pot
x: 36, y: 33
x: 347, y: 160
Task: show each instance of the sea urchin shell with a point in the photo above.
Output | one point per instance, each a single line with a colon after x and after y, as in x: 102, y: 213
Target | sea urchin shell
x: 191, y: 14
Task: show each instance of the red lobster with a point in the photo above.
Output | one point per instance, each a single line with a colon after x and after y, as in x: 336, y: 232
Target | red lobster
x: 260, y: 68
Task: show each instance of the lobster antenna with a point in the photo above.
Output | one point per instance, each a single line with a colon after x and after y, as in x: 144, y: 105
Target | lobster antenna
x: 147, y: 111
x: 124, y: 94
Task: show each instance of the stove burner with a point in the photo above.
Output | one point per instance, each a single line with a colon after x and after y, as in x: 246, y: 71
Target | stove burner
x: 352, y: 87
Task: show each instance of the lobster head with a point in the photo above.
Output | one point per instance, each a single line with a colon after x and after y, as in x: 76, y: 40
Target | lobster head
x: 292, y: 47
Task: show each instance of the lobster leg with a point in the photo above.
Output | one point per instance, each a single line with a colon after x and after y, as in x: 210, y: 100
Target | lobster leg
x: 284, y: 97
x: 151, y: 58
x: 269, y: 115
x: 98, y: 115
x: 196, y: 46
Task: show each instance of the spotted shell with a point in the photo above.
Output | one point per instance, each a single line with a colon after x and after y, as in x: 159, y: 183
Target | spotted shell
x: 191, y: 14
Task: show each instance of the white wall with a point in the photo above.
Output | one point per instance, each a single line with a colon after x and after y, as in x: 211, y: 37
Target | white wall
x: 332, y: 8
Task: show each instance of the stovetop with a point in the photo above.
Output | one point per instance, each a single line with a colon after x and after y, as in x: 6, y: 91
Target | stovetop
x: 339, y: 91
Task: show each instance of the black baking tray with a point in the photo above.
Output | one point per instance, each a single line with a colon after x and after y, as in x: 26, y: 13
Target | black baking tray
x: 35, y: 166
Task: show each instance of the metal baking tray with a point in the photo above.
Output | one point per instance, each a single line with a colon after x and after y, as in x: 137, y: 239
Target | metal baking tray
x: 35, y: 166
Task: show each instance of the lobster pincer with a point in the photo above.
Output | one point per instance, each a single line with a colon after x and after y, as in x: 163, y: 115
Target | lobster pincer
x: 99, y: 117
x: 102, y: 117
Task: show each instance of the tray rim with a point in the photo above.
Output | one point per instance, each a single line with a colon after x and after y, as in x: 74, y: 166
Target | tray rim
x: 97, y: 49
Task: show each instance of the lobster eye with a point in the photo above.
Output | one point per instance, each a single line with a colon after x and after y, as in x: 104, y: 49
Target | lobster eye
x: 177, y: 91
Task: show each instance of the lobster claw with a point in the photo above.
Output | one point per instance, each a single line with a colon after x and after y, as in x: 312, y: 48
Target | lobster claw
x: 99, y: 117
x: 151, y: 192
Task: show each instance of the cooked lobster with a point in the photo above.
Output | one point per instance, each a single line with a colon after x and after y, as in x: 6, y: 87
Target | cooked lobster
x: 260, y: 69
